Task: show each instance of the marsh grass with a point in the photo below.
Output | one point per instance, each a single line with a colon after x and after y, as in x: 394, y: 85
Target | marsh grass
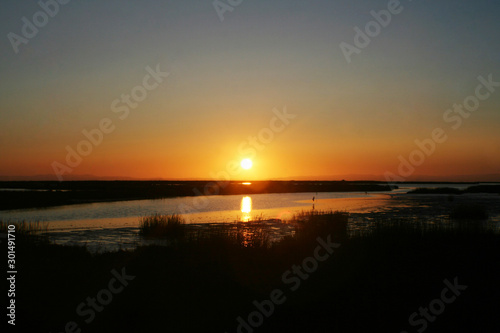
x: 258, y: 233
x: 314, y: 223
x: 25, y: 228
x: 373, y: 281
x: 241, y: 234
x: 162, y: 226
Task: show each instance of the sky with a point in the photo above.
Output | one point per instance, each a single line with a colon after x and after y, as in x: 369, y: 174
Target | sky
x: 187, y: 89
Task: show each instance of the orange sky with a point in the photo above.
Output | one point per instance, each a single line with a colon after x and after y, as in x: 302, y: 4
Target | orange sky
x: 226, y: 78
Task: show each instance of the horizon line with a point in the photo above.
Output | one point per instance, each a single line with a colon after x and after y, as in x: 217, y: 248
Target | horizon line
x: 474, y: 178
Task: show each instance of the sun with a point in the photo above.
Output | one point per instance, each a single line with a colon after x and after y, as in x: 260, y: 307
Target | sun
x: 246, y: 163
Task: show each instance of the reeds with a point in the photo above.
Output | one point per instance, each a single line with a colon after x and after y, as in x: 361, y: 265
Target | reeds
x: 24, y: 228
x: 378, y: 277
x: 314, y: 223
x: 241, y: 234
x: 162, y: 226
x: 260, y: 233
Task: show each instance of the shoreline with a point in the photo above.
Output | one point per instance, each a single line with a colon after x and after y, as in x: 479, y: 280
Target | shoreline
x: 431, y: 208
x: 53, y: 194
x: 15, y: 195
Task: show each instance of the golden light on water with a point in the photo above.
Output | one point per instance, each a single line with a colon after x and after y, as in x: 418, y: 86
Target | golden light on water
x: 246, y: 205
x: 246, y: 183
x: 246, y: 209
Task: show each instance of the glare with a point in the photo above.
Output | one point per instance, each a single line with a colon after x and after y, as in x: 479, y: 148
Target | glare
x: 246, y: 205
x: 246, y: 163
x: 246, y: 209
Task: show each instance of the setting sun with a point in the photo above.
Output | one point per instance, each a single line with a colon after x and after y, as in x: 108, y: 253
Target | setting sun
x: 246, y: 163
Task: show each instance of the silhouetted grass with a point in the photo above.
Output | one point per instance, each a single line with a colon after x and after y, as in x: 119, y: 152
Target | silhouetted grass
x: 234, y: 236
x: 258, y: 233
x: 333, y: 221
x: 162, y: 226
x: 25, y: 228
x: 373, y: 282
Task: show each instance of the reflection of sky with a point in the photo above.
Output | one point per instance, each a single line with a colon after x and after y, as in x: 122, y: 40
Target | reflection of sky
x: 218, y: 208
x: 230, y: 204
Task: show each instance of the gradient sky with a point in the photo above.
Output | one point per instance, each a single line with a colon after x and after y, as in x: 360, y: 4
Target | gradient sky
x: 227, y: 77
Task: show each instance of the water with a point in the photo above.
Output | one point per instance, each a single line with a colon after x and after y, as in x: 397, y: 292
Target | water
x: 113, y: 225
x: 203, y: 209
x: 208, y: 209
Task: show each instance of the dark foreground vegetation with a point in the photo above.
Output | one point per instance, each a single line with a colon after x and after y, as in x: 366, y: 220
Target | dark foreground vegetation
x: 53, y: 193
x: 321, y: 279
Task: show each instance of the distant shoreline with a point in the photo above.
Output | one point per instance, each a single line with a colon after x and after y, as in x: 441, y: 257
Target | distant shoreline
x: 39, y: 194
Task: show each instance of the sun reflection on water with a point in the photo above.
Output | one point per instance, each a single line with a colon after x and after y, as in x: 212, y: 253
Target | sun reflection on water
x: 246, y: 209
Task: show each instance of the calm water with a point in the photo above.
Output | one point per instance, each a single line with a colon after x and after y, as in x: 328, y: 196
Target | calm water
x: 207, y: 209
x: 108, y: 226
